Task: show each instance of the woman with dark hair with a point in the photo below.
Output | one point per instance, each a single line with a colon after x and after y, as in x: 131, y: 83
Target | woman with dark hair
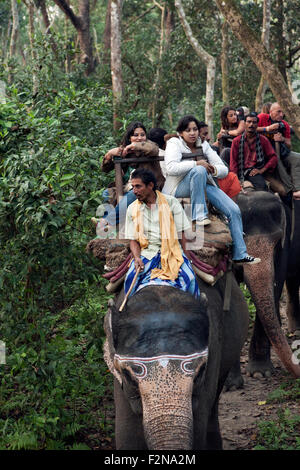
x: 134, y: 142
x: 231, y: 127
x: 193, y: 179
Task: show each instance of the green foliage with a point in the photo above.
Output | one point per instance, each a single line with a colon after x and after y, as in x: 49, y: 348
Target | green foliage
x: 251, y: 306
x: 54, y: 384
x: 280, y: 434
x: 283, y: 432
x: 53, y: 387
x: 289, y: 390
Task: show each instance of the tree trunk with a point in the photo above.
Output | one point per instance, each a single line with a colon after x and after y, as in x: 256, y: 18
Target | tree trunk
x: 280, y: 39
x: 81, y: 23
x: 262, y: 60
x: 42, y: 6
x: 14, y: 36
x: 158, y: 70
x: 210, y: 66
x: 265, y: 39
x: 169, y: 24
x: 224, y: 63
x: 107, y: 33
x: 116, y: 63
x: 15, y: 29
x: 35, y: 81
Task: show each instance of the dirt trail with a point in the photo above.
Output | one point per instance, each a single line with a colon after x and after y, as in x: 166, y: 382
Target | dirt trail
x: 240, y: 410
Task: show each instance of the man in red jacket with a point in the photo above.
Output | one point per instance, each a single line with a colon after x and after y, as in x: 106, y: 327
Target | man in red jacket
x: 278, y: 132
x: 252, y: 156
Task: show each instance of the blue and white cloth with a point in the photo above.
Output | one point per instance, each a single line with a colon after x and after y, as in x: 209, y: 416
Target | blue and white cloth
x: 185, y: 281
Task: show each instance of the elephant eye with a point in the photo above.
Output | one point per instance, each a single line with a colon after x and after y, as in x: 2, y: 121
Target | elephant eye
x: 138, y: 370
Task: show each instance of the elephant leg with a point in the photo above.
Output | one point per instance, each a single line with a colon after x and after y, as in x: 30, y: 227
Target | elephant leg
x: 234, y: 379
x: 214, y: 439
x: 129, y: 432
x: 259, y: 363
x: 293, y: 307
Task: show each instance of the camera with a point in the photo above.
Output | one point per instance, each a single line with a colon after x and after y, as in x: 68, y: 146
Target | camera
x: 281, y: 127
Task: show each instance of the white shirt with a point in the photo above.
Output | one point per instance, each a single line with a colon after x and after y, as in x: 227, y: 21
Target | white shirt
x: 151, y: 224
x: 176, y: 168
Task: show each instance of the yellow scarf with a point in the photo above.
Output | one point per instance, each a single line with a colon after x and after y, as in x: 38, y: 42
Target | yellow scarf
x: 171, y: 256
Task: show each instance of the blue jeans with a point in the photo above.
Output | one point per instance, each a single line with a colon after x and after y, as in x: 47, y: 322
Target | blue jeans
x: 116, y: 215
x: 194, y: 185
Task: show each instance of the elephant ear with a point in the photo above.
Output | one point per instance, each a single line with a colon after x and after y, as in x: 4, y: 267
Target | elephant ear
x: 108, y: 347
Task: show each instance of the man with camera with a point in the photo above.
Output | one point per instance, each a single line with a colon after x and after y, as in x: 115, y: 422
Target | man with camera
x: 278, y: 132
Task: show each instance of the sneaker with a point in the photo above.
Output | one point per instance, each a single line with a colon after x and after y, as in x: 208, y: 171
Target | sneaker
x: 247, y: 260
x: 204, y: 221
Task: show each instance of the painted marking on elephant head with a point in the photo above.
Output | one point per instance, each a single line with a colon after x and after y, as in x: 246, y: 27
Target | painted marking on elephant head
x: 163, y: 361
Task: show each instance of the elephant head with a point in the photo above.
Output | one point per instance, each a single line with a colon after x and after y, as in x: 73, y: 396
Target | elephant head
x: 170, y: 355
x: 264, y: 223
x: 156, y: 348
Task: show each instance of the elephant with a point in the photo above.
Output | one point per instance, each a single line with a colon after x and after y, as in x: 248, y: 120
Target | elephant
x: 170, y: 355
x: 272, y: 233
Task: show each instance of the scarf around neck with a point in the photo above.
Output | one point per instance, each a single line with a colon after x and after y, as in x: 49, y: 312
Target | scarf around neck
x: 260, y: 160
x: 171, y: 256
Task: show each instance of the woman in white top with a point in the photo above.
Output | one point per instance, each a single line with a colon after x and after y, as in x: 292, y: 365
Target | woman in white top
x: 192, y: 179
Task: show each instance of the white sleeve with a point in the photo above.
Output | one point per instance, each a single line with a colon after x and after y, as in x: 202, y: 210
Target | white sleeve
x: 175, y: 166
x: 215, y: 160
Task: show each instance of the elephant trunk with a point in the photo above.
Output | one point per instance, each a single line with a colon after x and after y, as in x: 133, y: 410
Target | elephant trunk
x: 167, y: 409
x: 259, y: 279
x: 168, y: 431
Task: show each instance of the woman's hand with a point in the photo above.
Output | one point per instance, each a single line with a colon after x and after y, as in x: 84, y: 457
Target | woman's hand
x: 128, y: 149
x: 209, y: 168
x: 221, y: 134
x: 112, y: 153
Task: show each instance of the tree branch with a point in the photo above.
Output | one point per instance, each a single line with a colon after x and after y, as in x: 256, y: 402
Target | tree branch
x: 139, y: 17
x: 63, y: 5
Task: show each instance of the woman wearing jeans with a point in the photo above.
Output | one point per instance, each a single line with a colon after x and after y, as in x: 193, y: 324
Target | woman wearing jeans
x: 192, y: 179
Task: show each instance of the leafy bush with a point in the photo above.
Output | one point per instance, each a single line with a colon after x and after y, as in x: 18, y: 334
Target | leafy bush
x: 53, y: 387
x: 282, y: 433
x: 54, y: 383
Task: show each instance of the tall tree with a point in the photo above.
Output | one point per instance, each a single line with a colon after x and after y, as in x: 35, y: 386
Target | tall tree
x: 262, y: 60
x: 265, y: 39
x: 31, y: 32
x: 224, y: 63
x: 107, y: 33
x: 209, y: 62
x: 81, y: 23
x: 158, y: 70
x: 15, y: 29
x: 14, y: 36
x: 116, y: 61
x: 41, y: 5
